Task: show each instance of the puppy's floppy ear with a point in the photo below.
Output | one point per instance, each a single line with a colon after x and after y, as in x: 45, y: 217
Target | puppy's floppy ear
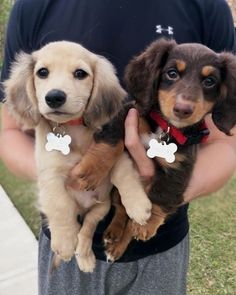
x: 224, y: 112
x: 20, y: 92
x: 107, y: 95
x: 143, y: 72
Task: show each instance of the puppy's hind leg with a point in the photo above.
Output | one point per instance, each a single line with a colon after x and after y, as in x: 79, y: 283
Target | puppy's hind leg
x: 61, y: 211
x: 84, y: 253
x: 126, y: 179
x: 116, y: 249
x: 117, y: 226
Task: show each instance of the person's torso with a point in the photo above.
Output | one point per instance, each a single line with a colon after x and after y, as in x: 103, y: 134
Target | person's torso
x: 117, y: 29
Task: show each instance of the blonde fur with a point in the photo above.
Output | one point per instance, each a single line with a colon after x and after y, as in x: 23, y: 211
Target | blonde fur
x: 97, y: 98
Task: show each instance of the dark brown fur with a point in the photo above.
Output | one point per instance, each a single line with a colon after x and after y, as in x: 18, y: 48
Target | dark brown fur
x: 148, y: 83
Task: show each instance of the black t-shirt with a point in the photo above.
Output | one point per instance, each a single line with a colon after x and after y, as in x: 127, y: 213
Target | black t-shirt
x: 119, y: 30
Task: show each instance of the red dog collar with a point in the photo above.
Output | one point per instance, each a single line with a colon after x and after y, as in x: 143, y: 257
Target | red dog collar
x: 75, y: 122
x: 199, y: 136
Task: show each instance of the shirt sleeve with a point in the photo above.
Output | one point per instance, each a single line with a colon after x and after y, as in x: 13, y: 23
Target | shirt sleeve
x: 219, y: 26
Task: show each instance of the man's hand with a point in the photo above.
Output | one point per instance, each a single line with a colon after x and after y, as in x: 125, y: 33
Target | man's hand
x: 135, y: 147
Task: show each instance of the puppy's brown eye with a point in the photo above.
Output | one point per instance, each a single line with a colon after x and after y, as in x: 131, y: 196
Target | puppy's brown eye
x: 172, y: 74
x: 209, y: 82
x: 80, y: 74
x: 43, y: 73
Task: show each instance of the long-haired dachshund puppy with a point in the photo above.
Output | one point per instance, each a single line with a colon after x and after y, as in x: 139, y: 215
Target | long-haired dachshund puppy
x: 175, y: 87
x: 67, y: 94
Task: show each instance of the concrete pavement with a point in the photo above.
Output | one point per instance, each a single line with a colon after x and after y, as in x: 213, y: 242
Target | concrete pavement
x: 18, y: 252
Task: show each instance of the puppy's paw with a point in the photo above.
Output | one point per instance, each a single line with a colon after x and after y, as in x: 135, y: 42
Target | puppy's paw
x: 114, y: 250
x: 63, y: 242
x: 88, y: 175
x: 84, y: 246
x: 138, y: 208
x: 113, y: 233
x: 86, y: 263
x: 143, y: 232
x: 148, y: 230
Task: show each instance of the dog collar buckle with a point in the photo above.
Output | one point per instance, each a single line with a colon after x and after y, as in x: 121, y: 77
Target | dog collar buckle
x: 164, y: 136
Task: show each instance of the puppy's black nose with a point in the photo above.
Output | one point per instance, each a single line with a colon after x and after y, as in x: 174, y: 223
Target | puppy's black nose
x: 183, y: 110
x: 55, y: 98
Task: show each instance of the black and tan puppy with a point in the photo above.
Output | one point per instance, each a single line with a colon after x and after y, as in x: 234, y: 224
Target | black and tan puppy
x: 175, y: 87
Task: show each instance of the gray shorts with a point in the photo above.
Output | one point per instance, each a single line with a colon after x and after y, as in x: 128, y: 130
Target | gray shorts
x: 163, y: 273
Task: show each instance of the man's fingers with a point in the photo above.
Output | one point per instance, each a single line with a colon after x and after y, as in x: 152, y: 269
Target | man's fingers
x: 135, y: 146
x: 131, y: 129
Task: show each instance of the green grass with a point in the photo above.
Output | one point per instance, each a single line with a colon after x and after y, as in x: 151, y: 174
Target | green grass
x: 23, y: 196
x: 5, y: 6
x: 213, y: 243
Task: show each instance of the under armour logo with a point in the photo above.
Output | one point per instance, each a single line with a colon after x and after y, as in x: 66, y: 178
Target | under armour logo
x: 160, y: 30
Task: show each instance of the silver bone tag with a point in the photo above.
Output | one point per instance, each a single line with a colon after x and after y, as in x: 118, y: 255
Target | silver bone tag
x: 162, y: 150
x: 58, y: 142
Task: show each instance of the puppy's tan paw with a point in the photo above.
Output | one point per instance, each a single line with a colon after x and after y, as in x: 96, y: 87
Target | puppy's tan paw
x: 86, y: 263
x: 63, y: 243
x: 115, y: 250
x: 113, y: 234
x: 84, y: 246
x: 143, y: 232
x: 88, y: 175
x: 148, y: 230
x: 138, y: 209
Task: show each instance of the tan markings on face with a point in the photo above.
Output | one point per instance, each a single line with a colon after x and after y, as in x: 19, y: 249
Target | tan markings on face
x: 167, y: 100
x: 202, y: 108
x: 181, y: 65
x: 208, y: 70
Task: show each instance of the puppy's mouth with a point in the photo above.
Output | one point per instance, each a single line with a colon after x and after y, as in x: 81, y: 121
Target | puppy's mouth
x: 58, y: 113
x: 60, y: 116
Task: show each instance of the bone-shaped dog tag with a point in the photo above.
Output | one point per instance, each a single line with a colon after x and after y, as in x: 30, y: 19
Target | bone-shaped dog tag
x: 162, y: 150
x: 58, y: 142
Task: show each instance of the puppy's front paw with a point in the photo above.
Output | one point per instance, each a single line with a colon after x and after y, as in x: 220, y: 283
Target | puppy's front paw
x: 138, y: 208
x: 88, y: 175
x: 63, y: 242
x: 148, y: 230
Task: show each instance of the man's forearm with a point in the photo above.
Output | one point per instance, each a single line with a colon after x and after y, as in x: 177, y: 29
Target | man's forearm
x: 17, y: 153
x: 216, y: 163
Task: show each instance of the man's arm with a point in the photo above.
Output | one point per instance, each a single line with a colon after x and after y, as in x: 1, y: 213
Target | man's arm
x: 16, y: 148
x: 216, y: 163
